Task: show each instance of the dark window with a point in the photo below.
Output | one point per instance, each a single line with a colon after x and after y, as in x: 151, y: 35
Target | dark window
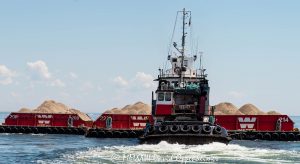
x: 185, y: 63
x: 168, y: 96
x: 160, y: 96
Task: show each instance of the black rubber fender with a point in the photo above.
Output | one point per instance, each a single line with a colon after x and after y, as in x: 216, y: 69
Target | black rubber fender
x: 259, y: 136
x: 125, y: 134
x: 69, y: 130
x: 283, y: 136
x: 101, y: 134
x: 49, y: 130
x: 298, y: 137
x: 275, y: 136
x: 109, y: 134
x: 196, y: 128
x: 206, y: 128
x: 217, y: 129
x: 174, y: 128
x: 232, y: 135
x: 267, y: 136
x: 93, y: 133
x: 81, y: 131
x: 2, y: 130
x: 35, y: 130
x: 132, y: 134
x: 16, y: 129
x: 185, y: 128
x: 75, y: 131
x: 42, y: 130
x: 163, y: 129
x: 28, y: 130
x: 62, y: 130
x: 151, y: 130
x: 117, y: 134
x: 55, y: 131
x: 242, y: 136
x: 8, y: 130
x: 291, y: 137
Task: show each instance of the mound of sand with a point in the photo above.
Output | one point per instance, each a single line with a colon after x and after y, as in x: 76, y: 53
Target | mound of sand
x: 250, y: 109
x: 24, y: 110
x: 226, y: 108
x: 137, y: 108
x: 50, y: 106
x: 272, y: 112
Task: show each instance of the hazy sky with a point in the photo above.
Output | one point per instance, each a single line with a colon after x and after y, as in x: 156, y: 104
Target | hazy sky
x: 95, y: 55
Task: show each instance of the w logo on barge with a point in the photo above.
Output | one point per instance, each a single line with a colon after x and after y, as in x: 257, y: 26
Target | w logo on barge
x: 247, y: 123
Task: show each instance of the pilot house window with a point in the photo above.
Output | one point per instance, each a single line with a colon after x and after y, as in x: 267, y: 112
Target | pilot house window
x: 161, y: 96
x: 164, y: 96
x: 168, y: 96
x: 185, y: 63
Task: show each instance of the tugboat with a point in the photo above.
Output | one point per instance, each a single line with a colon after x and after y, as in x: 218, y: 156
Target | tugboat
x: 181, y: 109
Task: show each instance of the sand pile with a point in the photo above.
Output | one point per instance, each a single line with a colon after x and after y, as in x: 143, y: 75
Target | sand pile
x: 226, y: 108
x: 25, y: 110
x: 137, y: 108
x: 51, y: 106
x: 272, y: 112
x: 250, y: 109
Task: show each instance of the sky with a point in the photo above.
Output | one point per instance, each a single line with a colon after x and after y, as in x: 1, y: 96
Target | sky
x: 95, y: 55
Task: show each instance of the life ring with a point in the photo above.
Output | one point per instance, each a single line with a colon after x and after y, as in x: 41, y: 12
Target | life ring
x: 163, y: 129
x: 275, y: 136
x: 185, y: 128
x: 291, y: 136
x: 177, y: 70
x: 174, y: 128
x: 259, y: 136
x: 217, y: 129
x: 283, y: 136
x: 267, y: 136
x: 206, y: 128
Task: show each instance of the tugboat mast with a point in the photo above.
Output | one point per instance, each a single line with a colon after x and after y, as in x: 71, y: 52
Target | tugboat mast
x: 183, y: 34
x: 182, y: 44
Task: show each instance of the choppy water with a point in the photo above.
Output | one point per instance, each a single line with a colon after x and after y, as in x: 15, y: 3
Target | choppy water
x: 29, y: 148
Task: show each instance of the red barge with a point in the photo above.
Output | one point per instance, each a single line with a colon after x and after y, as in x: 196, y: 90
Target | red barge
x: 244, y: 127
x: 45, y: 123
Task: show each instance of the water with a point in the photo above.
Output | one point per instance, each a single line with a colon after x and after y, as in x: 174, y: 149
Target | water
x: 29, y: 148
